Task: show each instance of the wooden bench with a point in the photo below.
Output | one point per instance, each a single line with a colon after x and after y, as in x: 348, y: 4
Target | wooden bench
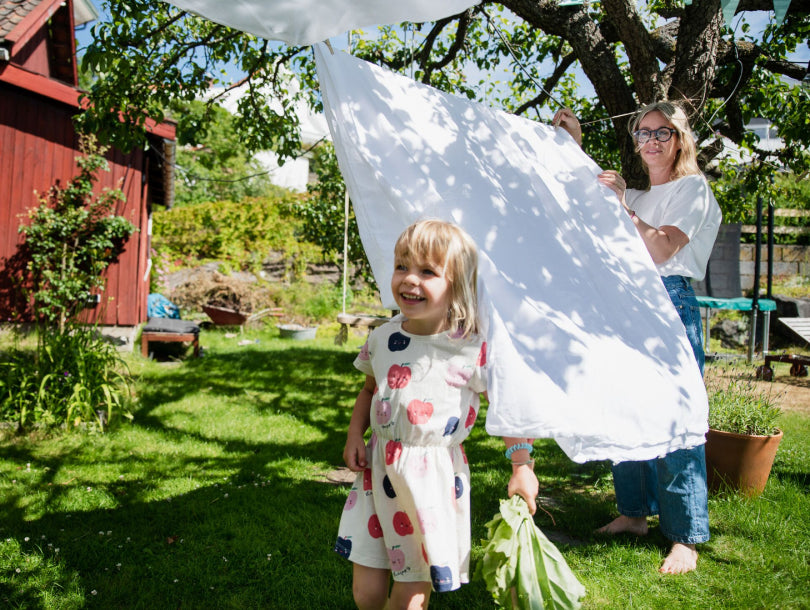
x: 168, y: 330
x: 798, y: 363
x: 356, y: 321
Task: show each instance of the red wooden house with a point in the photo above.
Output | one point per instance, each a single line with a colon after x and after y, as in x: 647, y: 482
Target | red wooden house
x: 38, y: 146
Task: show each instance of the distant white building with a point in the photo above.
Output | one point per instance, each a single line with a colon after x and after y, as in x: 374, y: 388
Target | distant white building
x: 769, y: 141
x: 295, y: 173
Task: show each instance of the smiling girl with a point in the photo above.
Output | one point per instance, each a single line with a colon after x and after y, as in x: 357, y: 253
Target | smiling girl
x: 408, y: 512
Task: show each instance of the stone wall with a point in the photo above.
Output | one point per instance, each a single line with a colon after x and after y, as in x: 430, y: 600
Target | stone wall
x: 787, y: 261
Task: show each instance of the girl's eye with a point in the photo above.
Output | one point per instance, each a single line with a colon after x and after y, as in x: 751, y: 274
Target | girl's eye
x: 400, y: 267
x: 429, y: 272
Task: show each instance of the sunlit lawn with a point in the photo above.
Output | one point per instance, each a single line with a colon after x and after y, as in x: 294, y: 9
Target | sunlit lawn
x: 216, y: 496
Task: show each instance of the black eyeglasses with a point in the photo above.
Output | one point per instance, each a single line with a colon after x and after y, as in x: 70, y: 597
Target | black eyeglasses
x: 662, y: 134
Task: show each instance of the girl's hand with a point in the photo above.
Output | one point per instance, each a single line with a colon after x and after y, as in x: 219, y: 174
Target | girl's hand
x: 524, y: 483
x: 566, y: 119
x: 614, y: 181
x: 354, y: 453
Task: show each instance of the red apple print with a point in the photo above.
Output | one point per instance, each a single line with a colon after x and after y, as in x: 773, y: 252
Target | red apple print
x: 457, y: 376
x: 463, y: 453
x: 398, y: 376
x: 482, y: 355
x: 350, y: 501
x: 382, y: 408
x: 367, y: 479
x: 424, y: 554
x: 397, y: 559
x: 402, y: 524
x: 419, y: 412
x: 393, y: 449
x: 471, y: 415
x: 374, y: 527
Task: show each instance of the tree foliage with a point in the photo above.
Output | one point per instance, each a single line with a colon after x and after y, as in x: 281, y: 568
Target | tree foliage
x: 324, y: 215
x: 213, y: 164
x: 521, y: 55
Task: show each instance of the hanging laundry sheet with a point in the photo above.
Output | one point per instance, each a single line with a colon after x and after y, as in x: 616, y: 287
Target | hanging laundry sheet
x: 304, y: 22
x: 584, y: 345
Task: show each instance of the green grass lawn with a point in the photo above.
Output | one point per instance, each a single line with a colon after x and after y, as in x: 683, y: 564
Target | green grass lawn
x: 216, y: 496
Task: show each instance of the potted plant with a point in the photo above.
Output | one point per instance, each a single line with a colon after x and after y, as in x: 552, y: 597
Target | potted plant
x: 742, y: 439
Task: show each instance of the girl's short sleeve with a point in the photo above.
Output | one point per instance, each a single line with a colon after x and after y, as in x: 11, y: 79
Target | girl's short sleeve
x: 363, y: 360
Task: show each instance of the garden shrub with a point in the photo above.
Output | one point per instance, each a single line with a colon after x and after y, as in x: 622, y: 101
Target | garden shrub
x: 238, y: 235
x: 72, y: 376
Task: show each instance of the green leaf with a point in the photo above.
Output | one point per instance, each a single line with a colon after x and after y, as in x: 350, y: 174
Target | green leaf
x: 521, y: 567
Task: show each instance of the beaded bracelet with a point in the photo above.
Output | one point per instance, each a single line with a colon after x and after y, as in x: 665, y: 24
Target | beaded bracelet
x: 518, y: 447
x: 526, y: 463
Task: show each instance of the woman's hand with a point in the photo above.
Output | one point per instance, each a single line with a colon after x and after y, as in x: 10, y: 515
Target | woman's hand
x: 566, y: 119
x: 614, y: 181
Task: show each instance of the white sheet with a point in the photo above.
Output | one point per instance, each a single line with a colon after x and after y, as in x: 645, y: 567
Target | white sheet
x: 584, y: 343
x: 304, y: 22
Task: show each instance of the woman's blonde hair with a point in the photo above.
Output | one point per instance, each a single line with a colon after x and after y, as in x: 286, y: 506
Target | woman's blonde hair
x: 686, y: 159
x: 447, y: 246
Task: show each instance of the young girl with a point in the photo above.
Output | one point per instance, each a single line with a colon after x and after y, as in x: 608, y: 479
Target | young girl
x: 408, y: 513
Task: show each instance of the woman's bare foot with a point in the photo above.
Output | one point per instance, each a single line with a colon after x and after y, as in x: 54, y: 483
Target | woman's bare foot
x: 682, y: 558
x: 623, y: 524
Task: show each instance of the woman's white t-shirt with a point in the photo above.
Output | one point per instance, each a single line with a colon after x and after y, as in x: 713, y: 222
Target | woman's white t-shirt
x: 688, y: 204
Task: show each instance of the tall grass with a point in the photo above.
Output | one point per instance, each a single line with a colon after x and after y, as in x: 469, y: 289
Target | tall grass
x: 216, y: 496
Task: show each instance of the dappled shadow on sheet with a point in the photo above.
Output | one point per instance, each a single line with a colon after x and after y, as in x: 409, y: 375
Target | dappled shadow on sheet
x: 581, y: 329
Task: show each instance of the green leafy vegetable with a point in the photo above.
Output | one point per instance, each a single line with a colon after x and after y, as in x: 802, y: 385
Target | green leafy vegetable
x: 521, y: 567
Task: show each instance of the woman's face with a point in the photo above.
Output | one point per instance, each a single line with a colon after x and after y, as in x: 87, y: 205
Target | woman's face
x: 659, y: 157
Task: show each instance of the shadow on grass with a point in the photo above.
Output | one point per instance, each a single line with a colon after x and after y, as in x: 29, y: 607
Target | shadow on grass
x: 258, y: 529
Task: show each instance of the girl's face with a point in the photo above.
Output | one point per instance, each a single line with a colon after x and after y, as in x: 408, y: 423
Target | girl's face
x: 422, y: 292
x: 659, y: 157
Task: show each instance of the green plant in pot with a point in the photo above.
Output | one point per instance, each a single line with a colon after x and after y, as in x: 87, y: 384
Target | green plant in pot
x: 743, y: 437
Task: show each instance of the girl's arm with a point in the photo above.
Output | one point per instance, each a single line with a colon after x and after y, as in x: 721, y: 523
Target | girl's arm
x: 523, y: 481
x: 354, y: 453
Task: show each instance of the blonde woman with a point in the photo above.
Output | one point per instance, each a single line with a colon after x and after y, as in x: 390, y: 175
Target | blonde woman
x: 678, y: 218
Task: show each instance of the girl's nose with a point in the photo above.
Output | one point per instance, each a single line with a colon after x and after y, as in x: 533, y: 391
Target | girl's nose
x: 412, y: 278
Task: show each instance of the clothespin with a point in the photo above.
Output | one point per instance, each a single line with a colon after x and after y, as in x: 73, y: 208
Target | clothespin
x: 329, y: 46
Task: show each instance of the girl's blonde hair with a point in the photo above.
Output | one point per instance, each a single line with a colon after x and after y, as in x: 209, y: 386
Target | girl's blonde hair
x: 686, y: 159
x: 447, y: 246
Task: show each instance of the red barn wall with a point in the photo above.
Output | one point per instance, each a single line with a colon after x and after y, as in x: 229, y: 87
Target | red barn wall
x: 38, y: 146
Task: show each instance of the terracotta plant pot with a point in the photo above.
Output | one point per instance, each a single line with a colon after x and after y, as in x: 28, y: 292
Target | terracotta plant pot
x: 739, y: 461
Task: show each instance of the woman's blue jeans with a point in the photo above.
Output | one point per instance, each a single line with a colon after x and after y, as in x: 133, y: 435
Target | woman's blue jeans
x: 673, y: 486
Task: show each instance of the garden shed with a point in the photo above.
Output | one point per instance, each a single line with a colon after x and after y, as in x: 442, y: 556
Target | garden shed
x: 39, y: 95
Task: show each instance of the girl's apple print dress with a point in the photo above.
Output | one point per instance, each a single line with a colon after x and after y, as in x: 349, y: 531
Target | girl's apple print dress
x: 410, y: 510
